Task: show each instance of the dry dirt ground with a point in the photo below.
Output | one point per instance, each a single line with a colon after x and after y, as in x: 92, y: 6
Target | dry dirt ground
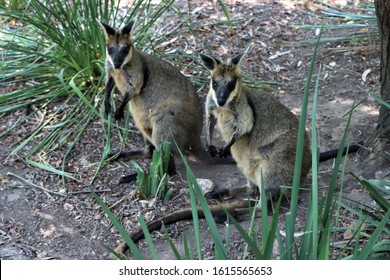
x: 35, y: 224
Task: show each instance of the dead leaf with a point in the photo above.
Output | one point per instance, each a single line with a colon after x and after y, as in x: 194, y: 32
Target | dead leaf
x: 365, y: 73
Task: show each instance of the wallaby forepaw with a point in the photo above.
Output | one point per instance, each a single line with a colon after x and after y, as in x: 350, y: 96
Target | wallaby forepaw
x: 119, y: 115
x: 107, y: 108
x: 217, y: 194
x: 224, y: 152
x: 213, y: 151
x: 127, y: 179
x: 220, y: 152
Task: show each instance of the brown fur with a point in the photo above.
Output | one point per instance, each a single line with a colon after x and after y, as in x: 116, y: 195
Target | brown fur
x: 260, y: 132
x: 163, y: 102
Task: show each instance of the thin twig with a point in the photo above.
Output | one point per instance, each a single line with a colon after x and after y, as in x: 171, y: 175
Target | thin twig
x: 371, y: 150
x: 53, y: 192
x: 35, y: 186
x: 84, y: 192
x: 131, y: 195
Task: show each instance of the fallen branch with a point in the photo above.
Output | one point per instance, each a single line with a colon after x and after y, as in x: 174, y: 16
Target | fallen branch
x: 180, y: 215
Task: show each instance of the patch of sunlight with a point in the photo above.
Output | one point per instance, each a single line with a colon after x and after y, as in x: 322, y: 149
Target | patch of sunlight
x: 45, y: 216
x: 49, y: 231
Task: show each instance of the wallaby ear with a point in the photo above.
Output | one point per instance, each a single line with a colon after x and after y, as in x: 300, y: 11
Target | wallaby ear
x: 108, y: 30
x: 128, y: 28
x: 237, y: 59
x: 209, y: 62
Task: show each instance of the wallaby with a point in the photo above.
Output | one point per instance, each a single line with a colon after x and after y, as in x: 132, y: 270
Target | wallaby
x: 259, y: 131
x: 163, y: 102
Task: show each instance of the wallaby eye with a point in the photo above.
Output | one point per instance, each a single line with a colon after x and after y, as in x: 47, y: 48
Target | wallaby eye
x: 214, y: 84
x: 231, y: 85
x: 110, y: 49
x: 126, y: 49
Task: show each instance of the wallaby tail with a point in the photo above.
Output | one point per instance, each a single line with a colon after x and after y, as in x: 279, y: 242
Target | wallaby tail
x: 324, y: 156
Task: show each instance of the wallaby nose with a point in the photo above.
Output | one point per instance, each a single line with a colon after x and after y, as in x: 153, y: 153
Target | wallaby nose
x: 221, y: 102
x: 222, y: 98
x: 118, y: 63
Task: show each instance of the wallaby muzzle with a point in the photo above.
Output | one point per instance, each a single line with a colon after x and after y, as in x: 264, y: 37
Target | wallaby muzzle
x: 117, y: 64
x: 117, y: 60
x: 222, y: 96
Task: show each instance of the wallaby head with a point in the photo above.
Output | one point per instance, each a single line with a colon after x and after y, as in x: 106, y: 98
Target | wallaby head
x: 119, y: 45
x: 225, y: 78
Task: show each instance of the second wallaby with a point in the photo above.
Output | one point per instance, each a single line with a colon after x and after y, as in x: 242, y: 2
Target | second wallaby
x: 259, y: 131
x: 163, y: 103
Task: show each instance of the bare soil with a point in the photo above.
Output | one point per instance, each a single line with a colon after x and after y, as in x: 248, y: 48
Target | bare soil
x: 36, y: 224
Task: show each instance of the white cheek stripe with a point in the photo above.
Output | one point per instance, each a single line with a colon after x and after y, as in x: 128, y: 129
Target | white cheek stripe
x: 125, y: 61
x: 232, y: 94
x: 109, y: 59
x: 128, y: 57
x: 213, y: 95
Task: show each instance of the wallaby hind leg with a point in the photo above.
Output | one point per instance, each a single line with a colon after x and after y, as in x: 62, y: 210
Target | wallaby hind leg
x: 132, y: 177
x: 168, y: 126
x: 147, y: 152
x: 248, y: 191
x: 245, y: 191
x: 139, y: 154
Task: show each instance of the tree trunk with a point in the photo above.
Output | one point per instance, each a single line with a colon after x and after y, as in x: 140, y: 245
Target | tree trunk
x: 379, y: 158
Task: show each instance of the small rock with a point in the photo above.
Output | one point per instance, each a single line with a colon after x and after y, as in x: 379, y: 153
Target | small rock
x: 206, y: 185
x: 42, y: 255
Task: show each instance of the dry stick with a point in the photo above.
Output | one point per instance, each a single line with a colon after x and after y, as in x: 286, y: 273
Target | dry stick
x: 53, y: 192
x: 33, y: 185
x: 132, y: 194
x: 371, y: 150
x: 180, y: 215
x: 84, y: 192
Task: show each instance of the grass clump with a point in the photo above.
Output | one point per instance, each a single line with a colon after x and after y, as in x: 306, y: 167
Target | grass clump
x: 354, y: 23
x: 156, y: 182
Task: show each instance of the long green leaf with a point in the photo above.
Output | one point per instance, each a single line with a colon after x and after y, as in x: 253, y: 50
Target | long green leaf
x: 290, y: 219
x: 194, y: 188
x: 368, y: 248
x: 191, y: 182
x: 220, y: 252
x: 148, y: 237
x: 133, y: 247
x: 382, y: 202
x: 269, y: 241
x: 328, y: 210
x: 248, y: 239
x: 170, y: 242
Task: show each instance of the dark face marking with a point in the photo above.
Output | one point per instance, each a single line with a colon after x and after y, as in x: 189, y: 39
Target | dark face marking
x: 118, y: 53
x: 223, y: 89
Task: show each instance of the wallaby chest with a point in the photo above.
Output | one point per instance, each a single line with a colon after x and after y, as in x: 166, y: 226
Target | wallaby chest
x: 233, y: 122
x: 120, y: 79
x: 226, y: 122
